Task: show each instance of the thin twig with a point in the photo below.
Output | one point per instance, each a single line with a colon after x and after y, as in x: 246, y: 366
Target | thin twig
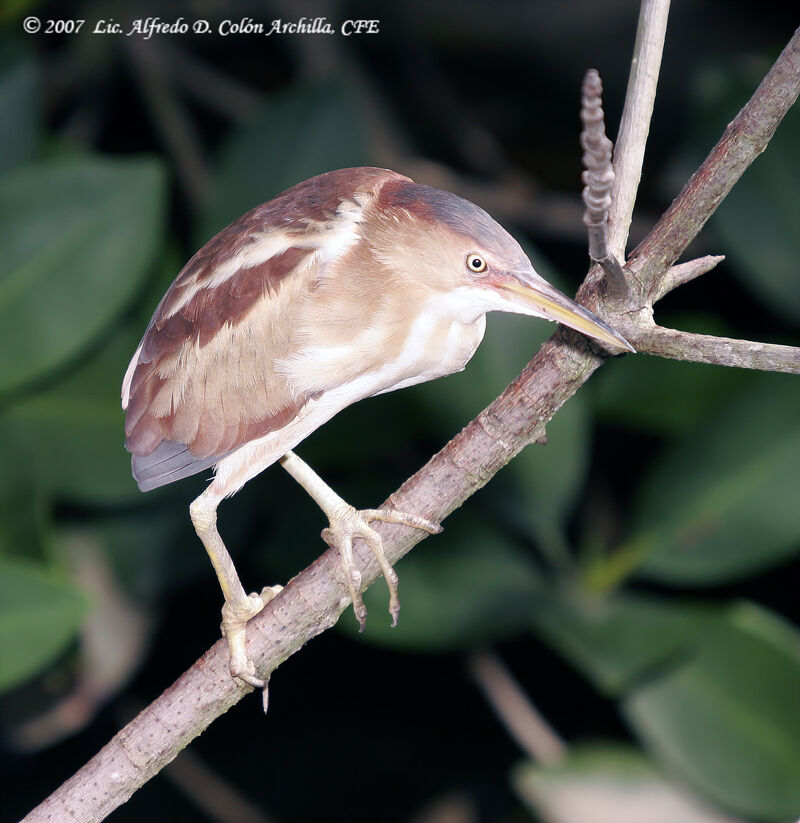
x: 744, y: 139
x: 177, y: 130
x: 682, y: 273
x: 207, y: 84
x: 599, y: 173
x: 515, y: 709
x: 635, y: 123
x: 211, y: 793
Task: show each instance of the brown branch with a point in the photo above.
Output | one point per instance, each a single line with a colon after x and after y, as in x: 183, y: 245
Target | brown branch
x: 719, y: 351
x: 206, y: 83
x: 744, y: 139
x: 516, y: 711
x: 207, y: 790
x: 635, y: 123
x: 313, y: 601
x: 682, y: 273
x: 174, y: 125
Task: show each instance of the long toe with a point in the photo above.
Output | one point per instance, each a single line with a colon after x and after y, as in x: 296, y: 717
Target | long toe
x: 349, y: 523
x: 401, y: 518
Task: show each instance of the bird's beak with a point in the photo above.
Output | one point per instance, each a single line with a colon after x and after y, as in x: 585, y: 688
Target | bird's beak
x: 534, y: 295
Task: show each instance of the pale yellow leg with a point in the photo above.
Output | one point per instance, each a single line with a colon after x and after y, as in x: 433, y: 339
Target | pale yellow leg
x: 239, y: 607
x: 347, y: 523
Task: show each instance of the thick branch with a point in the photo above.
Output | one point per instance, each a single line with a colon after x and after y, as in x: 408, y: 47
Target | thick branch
x: 720, y: 351
x: 313, y: 601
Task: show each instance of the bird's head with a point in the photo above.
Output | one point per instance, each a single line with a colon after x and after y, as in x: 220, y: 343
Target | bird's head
x: 454, y: 244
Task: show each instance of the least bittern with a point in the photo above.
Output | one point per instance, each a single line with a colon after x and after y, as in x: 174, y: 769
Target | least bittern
x: 350, y: 284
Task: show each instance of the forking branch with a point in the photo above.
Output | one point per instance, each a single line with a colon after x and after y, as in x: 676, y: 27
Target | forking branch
x: 313, y: 601
x: 634, y: 313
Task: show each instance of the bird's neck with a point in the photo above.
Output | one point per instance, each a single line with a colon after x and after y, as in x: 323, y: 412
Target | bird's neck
x: 377, y: 328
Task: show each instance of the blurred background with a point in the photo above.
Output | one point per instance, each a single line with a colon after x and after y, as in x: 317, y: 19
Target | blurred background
x: 608, y: 631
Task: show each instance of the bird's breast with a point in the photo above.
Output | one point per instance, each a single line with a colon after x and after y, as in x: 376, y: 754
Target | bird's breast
x: 435, y: 347
x: 388, y: 349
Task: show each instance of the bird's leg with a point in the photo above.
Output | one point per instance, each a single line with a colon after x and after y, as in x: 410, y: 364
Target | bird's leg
x: 347, y: 523
x: 239, y: 607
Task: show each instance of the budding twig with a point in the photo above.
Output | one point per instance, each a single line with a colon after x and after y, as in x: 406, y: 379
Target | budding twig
x: 599, y: 178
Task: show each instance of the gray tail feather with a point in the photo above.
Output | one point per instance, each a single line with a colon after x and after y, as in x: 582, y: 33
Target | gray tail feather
x: 169, y: 462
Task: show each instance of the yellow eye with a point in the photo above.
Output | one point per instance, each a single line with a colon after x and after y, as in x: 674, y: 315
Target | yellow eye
x: 475, y: 263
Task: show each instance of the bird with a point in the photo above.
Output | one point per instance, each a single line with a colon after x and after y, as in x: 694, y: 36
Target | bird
x: 352, y: 283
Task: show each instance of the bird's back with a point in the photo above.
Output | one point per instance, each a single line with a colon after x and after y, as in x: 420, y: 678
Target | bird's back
x: 210, y: 374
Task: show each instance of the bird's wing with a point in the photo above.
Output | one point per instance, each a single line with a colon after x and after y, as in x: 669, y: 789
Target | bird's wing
x: 202, y: 382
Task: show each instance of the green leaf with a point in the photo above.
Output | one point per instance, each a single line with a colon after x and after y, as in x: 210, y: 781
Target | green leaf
x: 468, y: 587
x: 39, y: 615
x: 78, y: 236
x: 722, y: 504
x: 599, y: 783
x: 728, y: 720
x: 19, y: 102
x: 618, y: 641
x: 758, y: 220
x: 12, y: 10
x: 23, y: 507
x: 76, y: 429
x: 297, y: 134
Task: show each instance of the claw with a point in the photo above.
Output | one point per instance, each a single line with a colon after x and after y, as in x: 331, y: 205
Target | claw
x: 239, y: 607
x: 234, y: 620
x: 393, y: 516
x: 245, y: 670
x: 347, y: 523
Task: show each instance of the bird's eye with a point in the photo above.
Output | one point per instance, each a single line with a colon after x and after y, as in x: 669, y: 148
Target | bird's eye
x: 475, y: 263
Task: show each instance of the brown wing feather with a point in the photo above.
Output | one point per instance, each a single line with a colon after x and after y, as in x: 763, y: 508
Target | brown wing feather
x: 203, y: 382
x: 199, y: 378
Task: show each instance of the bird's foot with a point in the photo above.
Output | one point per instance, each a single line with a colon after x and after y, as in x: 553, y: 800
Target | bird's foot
x: 348, y: 523
x: 234, y: 619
